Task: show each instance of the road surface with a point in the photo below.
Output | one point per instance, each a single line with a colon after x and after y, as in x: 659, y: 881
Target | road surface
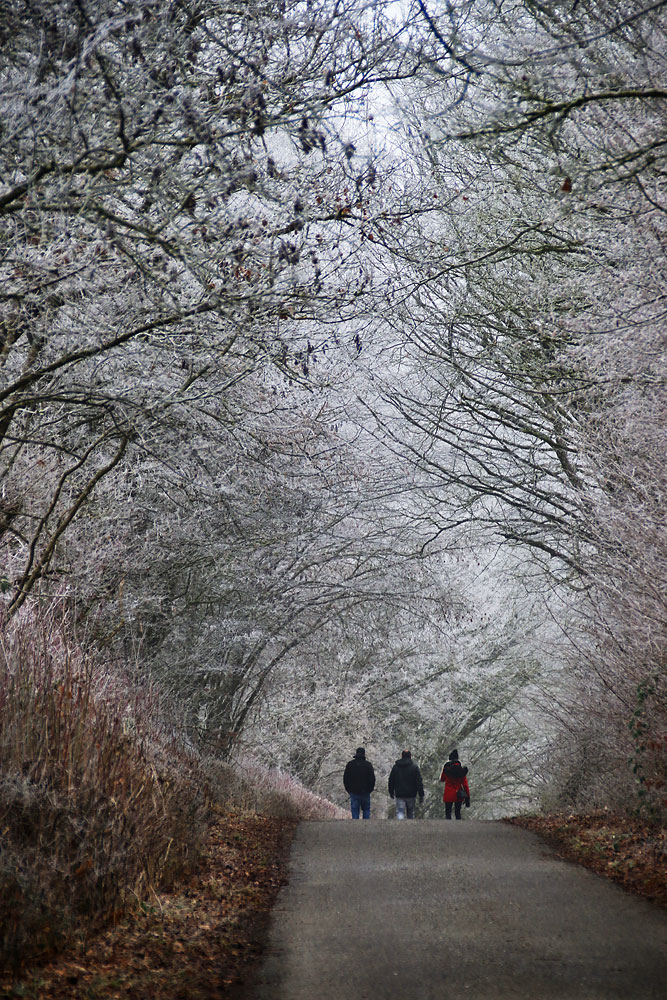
x: 427, y: 910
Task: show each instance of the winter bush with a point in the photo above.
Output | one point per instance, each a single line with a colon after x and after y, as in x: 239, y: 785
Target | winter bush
x: 248, y: 785
x: 97, y: 800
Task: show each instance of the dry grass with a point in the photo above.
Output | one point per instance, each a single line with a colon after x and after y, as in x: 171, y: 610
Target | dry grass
x: 199, y: 940
x: 101, y: 805
x: 200, y: 936
x: 254, y: 788
x: 97, y: 802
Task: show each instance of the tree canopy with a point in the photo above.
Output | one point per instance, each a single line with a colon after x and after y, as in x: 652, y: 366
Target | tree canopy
x: 332, y: 381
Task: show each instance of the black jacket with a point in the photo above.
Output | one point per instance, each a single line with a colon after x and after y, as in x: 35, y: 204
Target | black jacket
x: 405, y: 780
x: 359, y: 776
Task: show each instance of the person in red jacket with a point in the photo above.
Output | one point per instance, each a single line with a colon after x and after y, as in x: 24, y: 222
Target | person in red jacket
x: 456, y: 786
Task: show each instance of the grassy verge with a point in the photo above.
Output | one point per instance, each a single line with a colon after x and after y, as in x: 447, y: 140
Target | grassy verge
x: 100, y: 801
x: 621, y: 848
x: 148, y: 869
x: 196, y: 942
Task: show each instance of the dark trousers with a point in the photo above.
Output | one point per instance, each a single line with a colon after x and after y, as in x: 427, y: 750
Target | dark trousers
x: 457, y: 809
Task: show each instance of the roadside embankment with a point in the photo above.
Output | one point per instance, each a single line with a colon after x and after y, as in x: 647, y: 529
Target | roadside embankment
x: 623, y: 848
x: 130, y: 865
x: 196, y: 941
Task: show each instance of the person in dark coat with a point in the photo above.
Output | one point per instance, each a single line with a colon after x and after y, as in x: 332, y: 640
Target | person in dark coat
x: 456, y: 786
x: 405, y: 784
x: 359, y: 781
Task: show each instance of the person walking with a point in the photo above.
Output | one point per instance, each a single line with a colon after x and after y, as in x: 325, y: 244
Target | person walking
x: 405, y: 784
x: 456, y: 786
x: 359, y: 781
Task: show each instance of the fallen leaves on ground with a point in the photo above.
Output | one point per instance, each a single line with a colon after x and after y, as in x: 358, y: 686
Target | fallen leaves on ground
x: 196, y: 942
x: 622, y: 848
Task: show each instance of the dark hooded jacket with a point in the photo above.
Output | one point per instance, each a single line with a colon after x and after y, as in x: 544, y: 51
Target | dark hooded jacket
x: 405, y: 780
x: 359, y: 776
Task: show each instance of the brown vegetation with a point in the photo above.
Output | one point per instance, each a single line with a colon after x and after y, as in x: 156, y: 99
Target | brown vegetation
x: 143, y: 864
x: 98, y: 802
x: 623, y: 848
x: 198, y: 941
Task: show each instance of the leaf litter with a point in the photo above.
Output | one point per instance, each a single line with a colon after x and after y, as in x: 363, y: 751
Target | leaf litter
x: 197, y: 941
x: 626, y: 849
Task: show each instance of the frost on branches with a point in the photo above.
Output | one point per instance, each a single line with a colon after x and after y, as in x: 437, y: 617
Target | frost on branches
x: 307, y: 308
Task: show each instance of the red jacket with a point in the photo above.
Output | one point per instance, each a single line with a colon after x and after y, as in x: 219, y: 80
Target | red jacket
x: 454, y: 777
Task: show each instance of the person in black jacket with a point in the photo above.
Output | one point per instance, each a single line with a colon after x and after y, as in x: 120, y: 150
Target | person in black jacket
x: 359, y: 781
x: 405, y: 784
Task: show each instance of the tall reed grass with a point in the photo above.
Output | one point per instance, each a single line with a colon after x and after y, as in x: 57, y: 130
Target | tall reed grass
x: 100, y: 800
x: 97, y: 799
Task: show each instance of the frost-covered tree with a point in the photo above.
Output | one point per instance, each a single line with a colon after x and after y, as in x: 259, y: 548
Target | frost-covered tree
x: 176, y: 180
x: 226, y: 577
x: 298, y: 300
x: 532, y: 377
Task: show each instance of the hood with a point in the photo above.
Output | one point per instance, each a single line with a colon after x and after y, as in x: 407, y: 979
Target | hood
x: 404, y: 762
x: 453, y: 769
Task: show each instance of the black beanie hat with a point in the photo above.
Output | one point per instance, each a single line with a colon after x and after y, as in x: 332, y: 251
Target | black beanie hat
x: 360, y: 752
x: 454, y: 755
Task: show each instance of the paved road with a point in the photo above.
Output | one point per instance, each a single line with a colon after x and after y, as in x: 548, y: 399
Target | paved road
x: 431, y: 910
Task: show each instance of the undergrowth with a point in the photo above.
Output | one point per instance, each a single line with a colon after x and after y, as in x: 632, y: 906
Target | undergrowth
x: 249, y: 786
x: 98, y: 801
x: 102, y: 803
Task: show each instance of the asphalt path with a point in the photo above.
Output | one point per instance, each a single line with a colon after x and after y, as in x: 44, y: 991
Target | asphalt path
x: 427, y: 910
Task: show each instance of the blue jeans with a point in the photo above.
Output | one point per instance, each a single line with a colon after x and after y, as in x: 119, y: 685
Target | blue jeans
x: 404, y: 806
x: 362, y: 802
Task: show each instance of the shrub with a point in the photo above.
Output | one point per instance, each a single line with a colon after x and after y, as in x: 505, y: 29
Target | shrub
x: 97, y: 799
x: 251, y: 786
